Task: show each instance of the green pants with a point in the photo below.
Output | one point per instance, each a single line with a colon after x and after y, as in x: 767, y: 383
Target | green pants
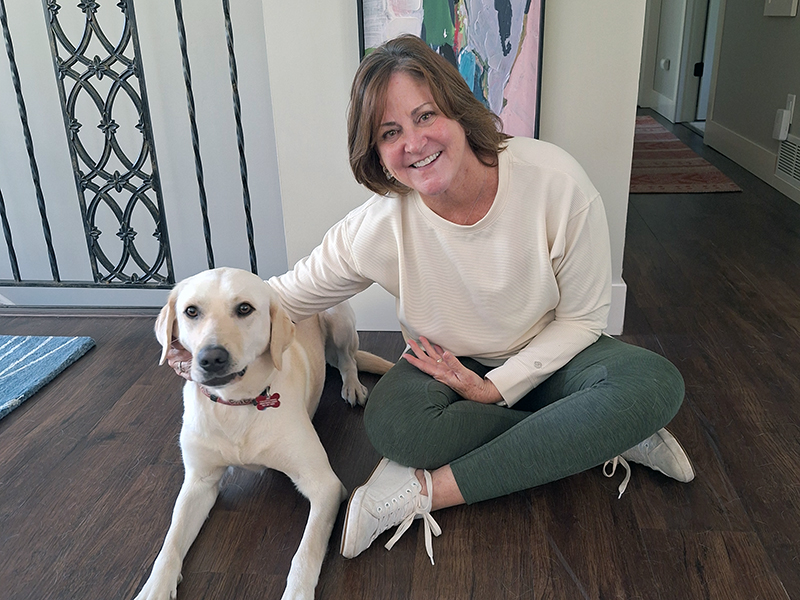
x: 604, y: 401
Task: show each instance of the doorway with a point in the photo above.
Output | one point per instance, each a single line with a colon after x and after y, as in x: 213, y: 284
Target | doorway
x: 678, y: 59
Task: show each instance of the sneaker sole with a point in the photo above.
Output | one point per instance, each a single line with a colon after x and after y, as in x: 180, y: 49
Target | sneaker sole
x: 675, y: 446
x: 358, y: 492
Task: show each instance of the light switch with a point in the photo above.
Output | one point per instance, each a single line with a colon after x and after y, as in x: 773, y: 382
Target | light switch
x: 780, y: 8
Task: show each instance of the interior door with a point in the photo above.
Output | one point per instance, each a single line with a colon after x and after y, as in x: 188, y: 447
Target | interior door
x: 675, y: 32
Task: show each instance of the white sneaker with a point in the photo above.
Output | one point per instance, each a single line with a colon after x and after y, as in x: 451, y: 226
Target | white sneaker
x: 391, y: 496
x: 662, y: 452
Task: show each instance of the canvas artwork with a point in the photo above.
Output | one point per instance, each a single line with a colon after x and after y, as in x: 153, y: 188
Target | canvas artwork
x: 496, y: 45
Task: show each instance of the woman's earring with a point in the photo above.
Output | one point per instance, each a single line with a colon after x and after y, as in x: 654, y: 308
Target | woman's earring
x: 386, y: 172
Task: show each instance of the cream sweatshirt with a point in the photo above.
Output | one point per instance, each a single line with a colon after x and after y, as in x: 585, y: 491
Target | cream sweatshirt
x: 522, y: 291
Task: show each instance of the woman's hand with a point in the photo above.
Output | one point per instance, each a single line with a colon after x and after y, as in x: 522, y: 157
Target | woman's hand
x: 180, y: 359
x: 447, y: 369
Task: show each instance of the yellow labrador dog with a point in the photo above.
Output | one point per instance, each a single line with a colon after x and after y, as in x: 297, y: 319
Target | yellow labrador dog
x: 256, y: 382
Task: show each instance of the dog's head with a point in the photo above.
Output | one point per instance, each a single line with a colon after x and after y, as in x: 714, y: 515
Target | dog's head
x: 227, y: 318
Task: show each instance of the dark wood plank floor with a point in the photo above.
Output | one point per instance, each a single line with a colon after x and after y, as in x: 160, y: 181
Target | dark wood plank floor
x: 90, y: 467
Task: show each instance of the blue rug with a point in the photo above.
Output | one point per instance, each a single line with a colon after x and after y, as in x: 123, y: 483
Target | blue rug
x: 27, y: 363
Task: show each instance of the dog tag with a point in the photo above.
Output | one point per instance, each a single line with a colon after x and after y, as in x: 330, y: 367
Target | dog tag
x: 264, y: 402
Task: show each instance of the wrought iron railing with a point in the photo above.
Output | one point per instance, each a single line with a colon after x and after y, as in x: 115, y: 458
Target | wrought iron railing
x: 23, y: 116
x: 93, y: 70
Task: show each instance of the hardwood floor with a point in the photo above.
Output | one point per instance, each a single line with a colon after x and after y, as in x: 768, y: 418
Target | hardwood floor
x: 90, y: 466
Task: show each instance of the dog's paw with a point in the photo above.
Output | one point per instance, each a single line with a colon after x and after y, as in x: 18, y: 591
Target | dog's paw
x: 297, y: 589
x: 160, y: 586
x: 155, y: 593
x: 293, y: 595
x: 354, y: 392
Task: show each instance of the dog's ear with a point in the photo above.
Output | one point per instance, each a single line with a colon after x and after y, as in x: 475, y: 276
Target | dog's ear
x: 282, y: 333
x: 165, y: 325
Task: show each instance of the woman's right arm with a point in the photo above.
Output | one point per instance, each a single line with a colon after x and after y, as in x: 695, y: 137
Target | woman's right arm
x: 322, y: 279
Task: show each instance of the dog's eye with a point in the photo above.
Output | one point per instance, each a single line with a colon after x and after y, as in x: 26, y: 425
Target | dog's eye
x: 244, y: 309
x: 191, y: 312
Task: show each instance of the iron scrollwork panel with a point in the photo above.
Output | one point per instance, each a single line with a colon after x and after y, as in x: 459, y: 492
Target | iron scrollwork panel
x: 115, y: 185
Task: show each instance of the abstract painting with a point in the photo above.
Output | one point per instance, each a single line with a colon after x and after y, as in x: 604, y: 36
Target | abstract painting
x: 495, y: 44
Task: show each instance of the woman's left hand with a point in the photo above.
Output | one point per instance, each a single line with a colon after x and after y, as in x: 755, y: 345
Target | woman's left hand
x: 447, y: 369
x: 180, y: 359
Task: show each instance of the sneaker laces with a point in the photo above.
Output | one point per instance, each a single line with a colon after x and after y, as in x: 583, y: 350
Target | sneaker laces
x: 614, y: 462
x: 424, y: 512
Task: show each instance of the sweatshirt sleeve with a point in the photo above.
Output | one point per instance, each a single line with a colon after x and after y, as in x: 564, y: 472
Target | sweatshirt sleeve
x: 583, y: 274
x: 324, y: 278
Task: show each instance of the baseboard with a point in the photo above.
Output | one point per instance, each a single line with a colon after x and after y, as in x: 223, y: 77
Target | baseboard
x: 82, y: 297
x: 78, y: 312
x: 658, y: 102
x: 616, y: 315
x: 758, y: 160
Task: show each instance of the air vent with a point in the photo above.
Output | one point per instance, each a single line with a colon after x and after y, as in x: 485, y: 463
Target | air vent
x: 788, y: 168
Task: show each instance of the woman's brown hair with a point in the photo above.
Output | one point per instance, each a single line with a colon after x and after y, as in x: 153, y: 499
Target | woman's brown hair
x: 409, y: 54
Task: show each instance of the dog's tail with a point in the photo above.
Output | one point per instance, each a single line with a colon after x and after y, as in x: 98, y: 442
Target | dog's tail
x: 371, y: 363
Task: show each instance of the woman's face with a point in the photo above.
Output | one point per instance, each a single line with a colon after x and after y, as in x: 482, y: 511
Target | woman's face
x: 420, y: 147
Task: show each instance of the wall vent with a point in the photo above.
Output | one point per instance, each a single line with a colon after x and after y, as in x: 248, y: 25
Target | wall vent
x: 788, y: 167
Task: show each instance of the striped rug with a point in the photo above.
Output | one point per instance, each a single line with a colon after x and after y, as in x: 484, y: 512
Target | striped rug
x: 27, y: 363
x: 662, y: 164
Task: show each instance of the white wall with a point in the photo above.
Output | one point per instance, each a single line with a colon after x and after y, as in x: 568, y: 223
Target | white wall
x: 590, y: 77
x: 310, y: 91
x: 745, y: 95
x: 589, y: 91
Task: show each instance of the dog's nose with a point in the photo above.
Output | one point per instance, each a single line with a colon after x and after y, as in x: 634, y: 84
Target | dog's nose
x: 214, y: 359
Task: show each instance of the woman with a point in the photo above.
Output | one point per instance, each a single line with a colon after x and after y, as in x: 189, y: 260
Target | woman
x: 497, y: 251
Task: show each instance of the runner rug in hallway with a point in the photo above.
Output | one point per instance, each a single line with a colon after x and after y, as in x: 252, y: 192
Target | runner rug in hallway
x: 662, y: 164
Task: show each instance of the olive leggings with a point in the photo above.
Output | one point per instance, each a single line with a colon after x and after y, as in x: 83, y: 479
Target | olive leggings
x: 604, y: 401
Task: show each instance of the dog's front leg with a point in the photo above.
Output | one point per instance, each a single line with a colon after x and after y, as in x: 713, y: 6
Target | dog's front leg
x: 325, y: 497
x: 197, y: 496
x: 316, y: 480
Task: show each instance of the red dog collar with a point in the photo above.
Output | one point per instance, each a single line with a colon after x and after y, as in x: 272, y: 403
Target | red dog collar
x: 261, y: 402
